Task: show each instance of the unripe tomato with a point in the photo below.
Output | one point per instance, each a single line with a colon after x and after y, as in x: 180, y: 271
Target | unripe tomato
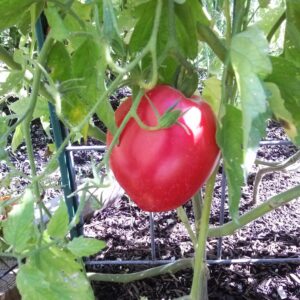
x: 162, y: 169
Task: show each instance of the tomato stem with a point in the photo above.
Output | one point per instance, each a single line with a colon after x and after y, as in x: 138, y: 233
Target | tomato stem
x: 199, y: 284
x: 27, y: 122
x: 130, y: 114
x: 197, y: 201
x: 184, y: 219
x: 172, y: 268
x: 255, y: 213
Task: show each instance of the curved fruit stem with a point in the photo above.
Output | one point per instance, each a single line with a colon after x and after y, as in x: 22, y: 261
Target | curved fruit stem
x: 129, y: 115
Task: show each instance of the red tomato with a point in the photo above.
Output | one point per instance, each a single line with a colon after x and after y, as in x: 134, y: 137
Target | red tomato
x: 162, y: 169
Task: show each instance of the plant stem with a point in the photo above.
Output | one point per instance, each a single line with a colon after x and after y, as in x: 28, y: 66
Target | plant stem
x: 228, y: 22
x: 35, y: 87
x: 276, y: 26
x: 208, y: 35
x: 30, y: 153
x: 184, y: 219
x: 238, y: 16
x: 196, y: 201
x: 176, y: 266
x: 199, y: 284
x: 27, y: 122
x: 246, y: 12
x: 265, y: 163
x: 255, y: 213
x: 129, y: 115
x: 278, y: 167
x: 8, y: 60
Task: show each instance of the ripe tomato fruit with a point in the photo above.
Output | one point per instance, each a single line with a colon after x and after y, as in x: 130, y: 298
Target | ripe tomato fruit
x: 162, y: 169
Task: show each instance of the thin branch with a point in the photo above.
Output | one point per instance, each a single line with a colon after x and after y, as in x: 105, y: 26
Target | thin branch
x: 197, y: 201
x: 199, y: 284
x: 275, y: 168
x: 35, y: 87
x: 184, y: 219
x: 206, y: 34
x: 276, y: 26
x: 255, y: 213
x: 8, y: 59
x: 265, y: 163
x: 172, y: 268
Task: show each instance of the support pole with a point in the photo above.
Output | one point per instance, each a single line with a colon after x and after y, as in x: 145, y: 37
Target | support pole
x: 65, y: 160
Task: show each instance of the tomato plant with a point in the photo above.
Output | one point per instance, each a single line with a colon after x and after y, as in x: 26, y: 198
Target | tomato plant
x: 242, y: 55
x: 162, y: 168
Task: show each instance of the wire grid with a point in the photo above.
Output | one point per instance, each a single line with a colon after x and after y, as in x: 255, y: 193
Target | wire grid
x: 8, y: 266
x: 68, y: 170
x: 156, y: 261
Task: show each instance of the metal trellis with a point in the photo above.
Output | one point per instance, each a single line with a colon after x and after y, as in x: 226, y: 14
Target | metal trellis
x: 152, y: 250
x: 68, y: 179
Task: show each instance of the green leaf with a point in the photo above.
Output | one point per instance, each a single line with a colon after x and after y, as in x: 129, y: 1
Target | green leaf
x: 251, y: 63
x: 212, y: 93
x: 286, y: 76
x: 72, y: 25
x: 198, y: 12
x: 58, y: 29
x: 230, y: 139
x: 168, y: 71
x: 88, y: 69
x: 169, y: 118
x: 279, y: 110
x: 83, y: 9
x: 143, y: 28
x: 59, y: 62
x: 21, y: 105
x: 81, y: 246
x: 31, y: 16
x: 110, y: 24
x: 96, y: 133
x: 263, y: 3
x: 110, y: 27
x: 292, y: 34
x: 269, y: 17
x: 13, y: 82
x: 53, y: 274
x: 3, y: 129
x: 13, y: 11
x: 58, y: 224
x: 187, y: 81
x: 45, y: 121
x: 18, y: 229
x: 186, y: 29
x: 18, y: 138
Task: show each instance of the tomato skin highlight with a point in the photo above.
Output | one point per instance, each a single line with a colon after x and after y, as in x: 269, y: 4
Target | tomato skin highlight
x: 162, y: 169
